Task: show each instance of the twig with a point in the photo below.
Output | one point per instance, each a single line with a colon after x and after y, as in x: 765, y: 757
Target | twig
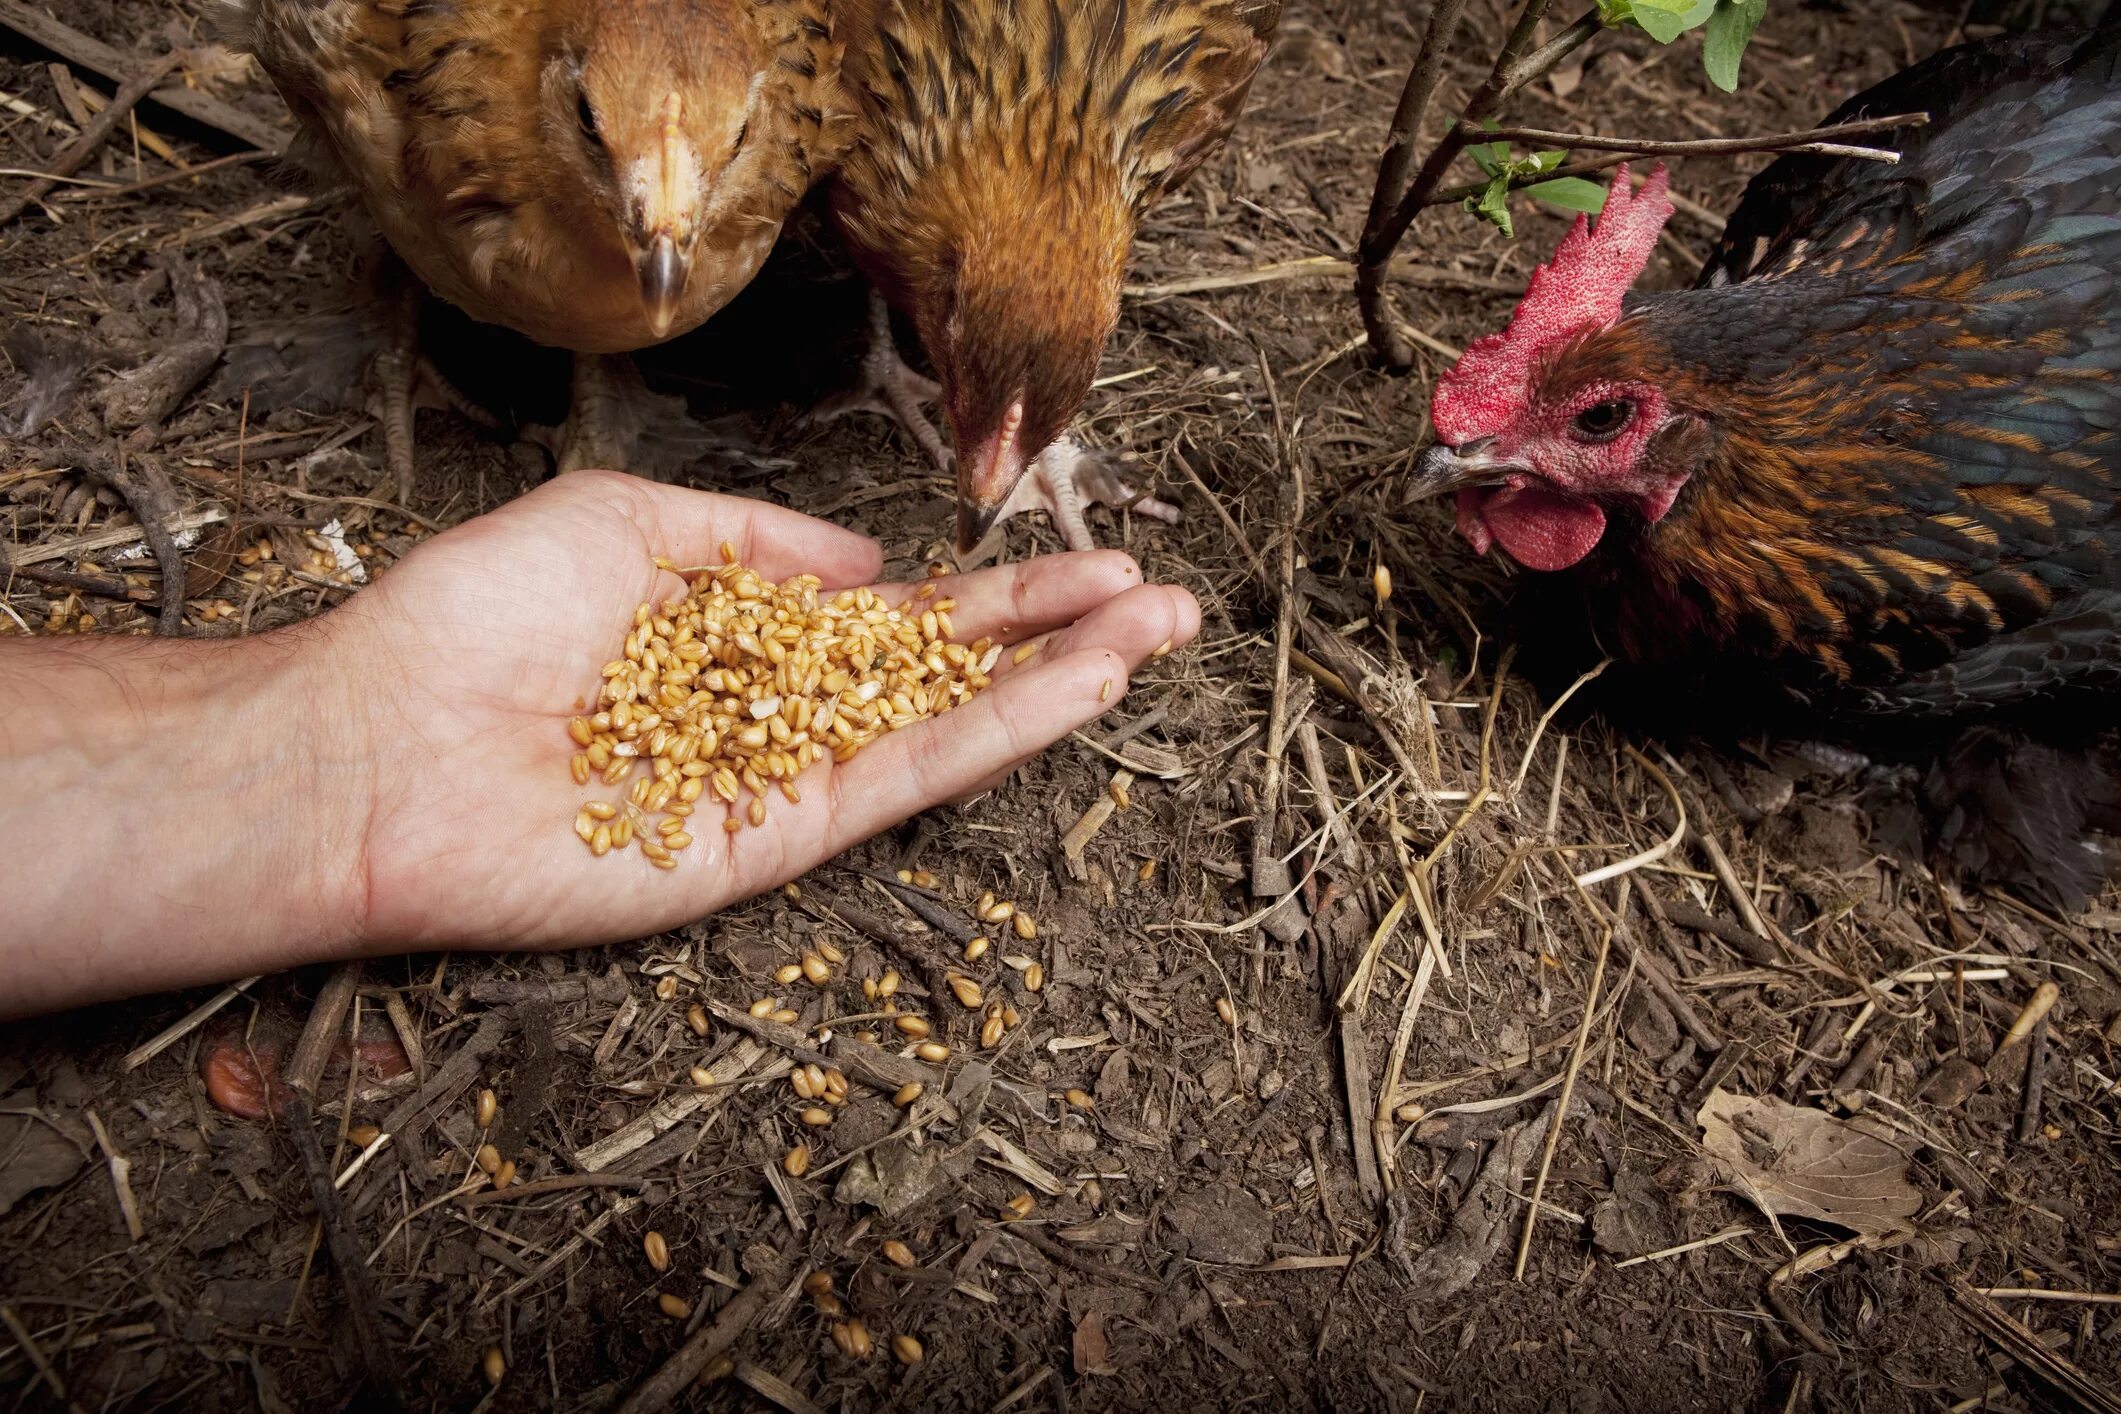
x: 1744, y: 942
x: 305, y: 1064
x: 2041, y: 1293
x: 1741, y: 896
x: 305, y: 1067
x: 1270, y: 877
x: 1336, y: 827
x: 663, y: 1388
x: 196, y: 170
x: 354, y: 1276
x: 1806, y: 140
x: 1656, y: 851
x: 101, y: 540
x: 121, y: 1169
x: 69, y: 159
x: 1075, y: 1261
x: 451, y: 1076
x: 195, y: 104
x: 154, y: 506
x: 1395, y: 1062
x: 1092, y: 820
x: 2075, y: 1387
x: 2035, y: 1082
x: 672, y: 1110
x: 1668, y: 992
x: 177, y: 1030
x: 566, y: 1251
x: 498, y: 991
x: 1561, y: 1106
x: 36, y: 1357
x: 96, y: 584
x: 1713, y: 1240
x: 1403, y: 272
x: 560, y: 1183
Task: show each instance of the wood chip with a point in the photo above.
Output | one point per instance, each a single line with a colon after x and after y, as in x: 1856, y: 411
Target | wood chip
x: 667, y: 1113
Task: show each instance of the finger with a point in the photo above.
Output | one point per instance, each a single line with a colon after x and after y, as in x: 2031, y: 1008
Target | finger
x: 1020, y: 716
x: 1135, y: 626
x: 1131, y: 627
x: 1009, y: 603
x: 690, y: 528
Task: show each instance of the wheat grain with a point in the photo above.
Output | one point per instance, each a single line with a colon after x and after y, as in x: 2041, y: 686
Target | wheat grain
x: 737, y: 687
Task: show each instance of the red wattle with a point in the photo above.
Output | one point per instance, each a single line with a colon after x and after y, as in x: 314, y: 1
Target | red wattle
x: 1541, y: 527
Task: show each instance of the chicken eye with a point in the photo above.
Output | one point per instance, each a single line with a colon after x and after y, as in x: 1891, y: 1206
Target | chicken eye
x: 1602, y: 422
x: 587, y: 117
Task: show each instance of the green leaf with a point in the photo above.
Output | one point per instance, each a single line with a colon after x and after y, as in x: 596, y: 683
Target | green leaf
x: 1569, y: 193
x: 1493, y: 204
x: 1662, y: 20
x: 1730, y: 30
x: 1490, y: 157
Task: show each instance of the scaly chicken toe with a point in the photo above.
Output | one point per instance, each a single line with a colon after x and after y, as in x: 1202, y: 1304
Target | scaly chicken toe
x: 615, y: 420
x: 403, y: 381
x: 1066, y: 479
x: 886, y: 385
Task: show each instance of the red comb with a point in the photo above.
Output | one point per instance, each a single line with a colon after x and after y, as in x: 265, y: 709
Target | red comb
x: 1580, y: 288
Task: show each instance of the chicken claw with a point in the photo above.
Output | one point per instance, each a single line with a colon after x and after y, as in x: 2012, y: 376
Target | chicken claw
x: 1064, y: 480
x: 886, y: 385
x: 614, y: 420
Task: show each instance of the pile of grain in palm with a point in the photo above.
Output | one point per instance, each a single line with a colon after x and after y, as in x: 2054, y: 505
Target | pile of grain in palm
x: 732, y: 691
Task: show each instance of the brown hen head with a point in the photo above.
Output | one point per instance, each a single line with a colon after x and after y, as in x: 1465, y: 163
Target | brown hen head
x: 649, y: 109
x: 598, y: 176
x: 1014, y: 307
x: 1009, y: 151
x: 660, y: 114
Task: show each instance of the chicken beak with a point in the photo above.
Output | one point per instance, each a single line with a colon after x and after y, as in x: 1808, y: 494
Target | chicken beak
x: 670, y: 187
x: 1442, y: 470
x: 663, y: 270
x: 986, y: 473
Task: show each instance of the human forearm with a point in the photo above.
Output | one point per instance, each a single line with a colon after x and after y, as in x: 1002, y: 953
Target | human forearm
x: 172, y: 813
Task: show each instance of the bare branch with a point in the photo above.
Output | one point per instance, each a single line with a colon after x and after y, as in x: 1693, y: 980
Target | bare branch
x: 1398, y: 157
x: 1628, y: 149
x: 1774, y: 142
x: 1390, y: 213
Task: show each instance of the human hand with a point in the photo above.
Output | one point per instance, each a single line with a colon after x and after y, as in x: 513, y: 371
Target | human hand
x: 465, y: 662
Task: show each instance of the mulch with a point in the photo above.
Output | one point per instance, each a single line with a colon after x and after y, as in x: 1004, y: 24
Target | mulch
x: 1355, y: 954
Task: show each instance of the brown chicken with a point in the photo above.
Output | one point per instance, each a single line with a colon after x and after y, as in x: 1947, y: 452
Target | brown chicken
x: 1007, y: 151
x: 1870, y: 466
x: 599, y: 176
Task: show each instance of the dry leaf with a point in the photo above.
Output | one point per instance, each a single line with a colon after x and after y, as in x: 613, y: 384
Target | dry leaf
x: 1093, y: 1353
x: 1793, y: 1161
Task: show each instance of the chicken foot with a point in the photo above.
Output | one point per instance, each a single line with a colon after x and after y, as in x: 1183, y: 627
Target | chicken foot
x: 886, y: 385
x: 1065, y: 480
x: 615, y: 420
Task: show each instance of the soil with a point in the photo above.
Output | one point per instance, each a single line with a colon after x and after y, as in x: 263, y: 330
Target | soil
x: 1227, y: 1222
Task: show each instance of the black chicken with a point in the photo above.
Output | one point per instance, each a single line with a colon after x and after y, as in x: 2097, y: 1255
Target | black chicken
x: 1871, y: 458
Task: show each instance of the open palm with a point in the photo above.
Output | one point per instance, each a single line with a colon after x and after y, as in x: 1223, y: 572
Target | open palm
x: 473, y: 653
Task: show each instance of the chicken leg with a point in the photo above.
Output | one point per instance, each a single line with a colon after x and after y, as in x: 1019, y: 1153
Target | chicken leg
x: 403, y: 381
x: 886, y: 385
x: 1067, y: 478
x: 615, y: 420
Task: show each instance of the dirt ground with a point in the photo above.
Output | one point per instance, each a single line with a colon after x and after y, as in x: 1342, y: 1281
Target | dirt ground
x: 1263, y: 1155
